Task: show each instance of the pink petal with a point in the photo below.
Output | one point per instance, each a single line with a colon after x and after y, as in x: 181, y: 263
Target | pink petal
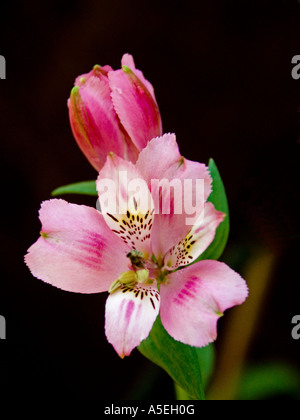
x: 135, y: 106
x: 161, y: 160
x: 126, y: 203
x: 128, y: 61
x: 76, y: 252
x: 97, y: 71
x: 129, y: 316
x: 193, y: 299
x: 197, y: 240
x: 94, y: 122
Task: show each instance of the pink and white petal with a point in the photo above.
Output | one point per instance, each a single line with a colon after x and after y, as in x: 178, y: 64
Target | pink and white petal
x: 178, y: 186
x: 126, y: 203
x: 77, y: 251
x: 193, y: 299
x: 135, y: 106
x: 162, y: 158
x: 197, y: 240
x: 129, y: 316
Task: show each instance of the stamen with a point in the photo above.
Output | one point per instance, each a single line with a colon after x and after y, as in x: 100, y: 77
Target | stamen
x: 128, y: 280
x: 136, y: 258
x: 142, y: 276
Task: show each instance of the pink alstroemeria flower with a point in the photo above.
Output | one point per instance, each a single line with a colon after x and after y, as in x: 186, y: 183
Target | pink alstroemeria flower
x: 135, y: 256
x: 113, y: 111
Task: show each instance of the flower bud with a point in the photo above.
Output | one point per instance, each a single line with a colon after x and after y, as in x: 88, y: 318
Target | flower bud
x: 113, y: 111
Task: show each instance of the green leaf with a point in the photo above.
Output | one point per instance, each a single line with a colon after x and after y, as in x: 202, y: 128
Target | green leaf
x: 188, y: 366
x: 268, y: 381
x: 85, y: 187
x: 219, y: 199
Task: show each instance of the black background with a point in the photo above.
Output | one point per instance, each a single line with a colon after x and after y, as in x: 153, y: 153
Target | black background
x: 222, y: 77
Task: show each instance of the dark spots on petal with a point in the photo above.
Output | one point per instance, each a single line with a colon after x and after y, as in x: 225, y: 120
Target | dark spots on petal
x: 151, y: 300
x: 112, y: 217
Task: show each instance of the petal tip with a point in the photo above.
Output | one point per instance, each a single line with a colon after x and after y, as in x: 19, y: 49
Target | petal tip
x: 96, y: 67
x: 126, y: 69
x: 44, y: 234
x: 75, y: 90
x: 127, y: 60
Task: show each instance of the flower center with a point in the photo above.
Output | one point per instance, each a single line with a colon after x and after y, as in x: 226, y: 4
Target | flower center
x: 136, y: 258
x: 130, y: 279
x: 143, y: 271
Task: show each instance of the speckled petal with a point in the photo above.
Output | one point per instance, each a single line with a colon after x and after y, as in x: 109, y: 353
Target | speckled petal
x: 129, y: 316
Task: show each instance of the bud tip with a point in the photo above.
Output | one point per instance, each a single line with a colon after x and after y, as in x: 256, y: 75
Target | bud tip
x: 126, y: 69
x: 75, y: 90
